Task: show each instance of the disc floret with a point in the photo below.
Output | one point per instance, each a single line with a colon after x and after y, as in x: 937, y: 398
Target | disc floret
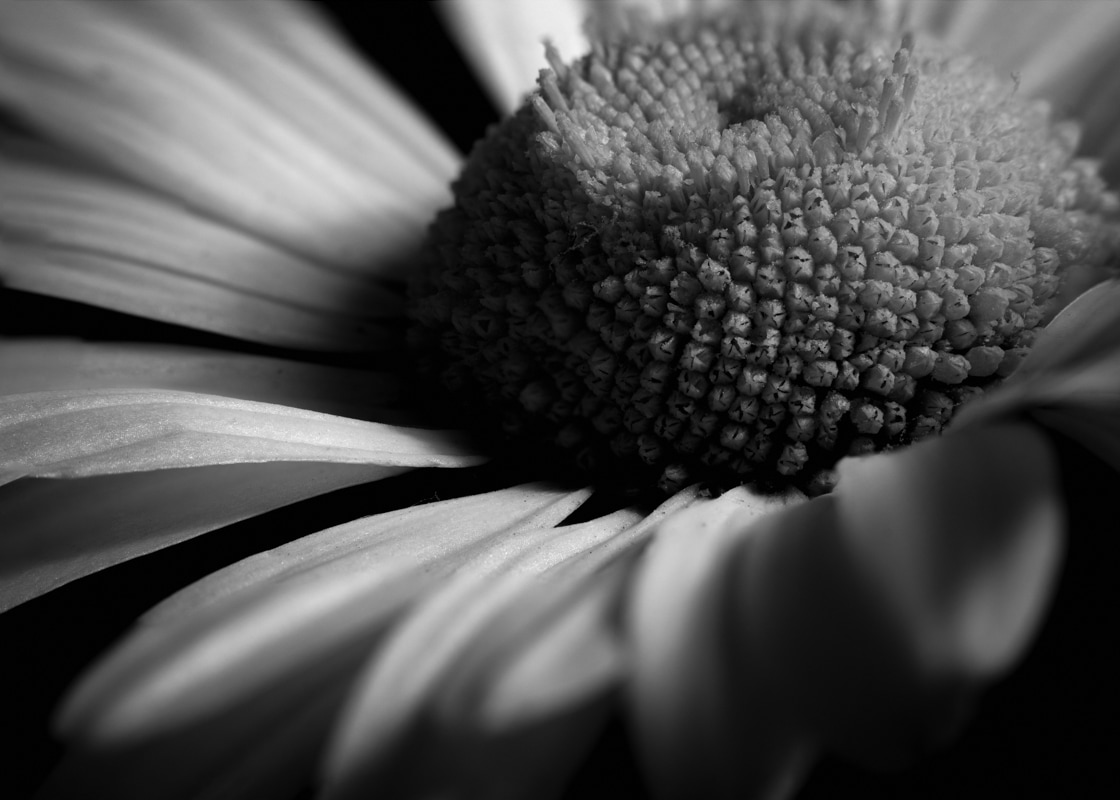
x: 748, y: 245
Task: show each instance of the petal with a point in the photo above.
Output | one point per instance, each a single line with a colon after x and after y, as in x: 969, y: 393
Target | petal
x: 75, y: 234
x: 694, y: 738
x: 1070, y: 381
x: 504, y: 41
x: 876, y: 614
x: 58, y: 531
x: 203, y: 688
x: 40, y: 365
x: 254, y: 113
x: 501, y: 680
x: 81, y: 433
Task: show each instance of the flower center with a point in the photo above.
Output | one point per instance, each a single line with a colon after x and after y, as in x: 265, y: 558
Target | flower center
x: 745, y: 246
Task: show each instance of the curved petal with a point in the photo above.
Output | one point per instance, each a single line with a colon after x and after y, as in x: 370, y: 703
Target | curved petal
x: 701, y: 731
x: 498, y: 682
x: 58, y: 531
x: 216, y: 674
x: 1070, y: 381
x: 504, y: 40
x: 875, y: 615
x: 43, y: 365
x: 82, y: 433
x: 255, y: 113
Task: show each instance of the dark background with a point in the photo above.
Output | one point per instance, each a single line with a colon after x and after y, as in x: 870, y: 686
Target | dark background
x: 1049, y: 730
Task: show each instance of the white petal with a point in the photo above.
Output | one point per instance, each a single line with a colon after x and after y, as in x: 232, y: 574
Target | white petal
x: 389, y: 715
x: 260, y: 624
x: 504, y: 40
x: 58, y: 531
x: 41, y: 365
x: 875, y: 615
x: 83, y: 236
x: 703, y: 729
x: 76, y: 433
x: 256, y: 114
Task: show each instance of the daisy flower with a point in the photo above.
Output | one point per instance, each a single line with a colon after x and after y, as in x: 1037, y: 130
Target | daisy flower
x: 784, y: 328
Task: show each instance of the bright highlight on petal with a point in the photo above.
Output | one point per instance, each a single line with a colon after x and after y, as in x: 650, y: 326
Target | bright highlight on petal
x: 414, y: 725
x: 93, y: 238
x: 504, y: 40
x: 249, y: 113
x: 75, y: 434
x: 275, y: 638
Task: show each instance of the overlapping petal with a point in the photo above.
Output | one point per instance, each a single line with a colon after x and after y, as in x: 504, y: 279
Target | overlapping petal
x: 256, y: 114
x: 222, y: 668
x: 81, y: 235
x: 863, y: 622
x: 445, y: 707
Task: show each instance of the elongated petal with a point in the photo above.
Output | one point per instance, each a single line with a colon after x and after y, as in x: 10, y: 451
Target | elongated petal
x: 504, y: 40
x: 75, y: 234
x: 447, y: 704
x: 76, y: 433
x: 254, y: 113
x: 43, y: 365
x: 702, y: 727
x: 876, y: 614
x: 200, y: 686
x: 58, y: 531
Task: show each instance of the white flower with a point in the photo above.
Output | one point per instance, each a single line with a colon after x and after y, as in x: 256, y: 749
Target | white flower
x: 234, y: 168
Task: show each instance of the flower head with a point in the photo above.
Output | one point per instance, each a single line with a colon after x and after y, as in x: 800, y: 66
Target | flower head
x: 746, y: 244
x: 739, y: 246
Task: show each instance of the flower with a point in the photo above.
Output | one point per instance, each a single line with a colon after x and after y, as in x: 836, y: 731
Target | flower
x: 467, y: 645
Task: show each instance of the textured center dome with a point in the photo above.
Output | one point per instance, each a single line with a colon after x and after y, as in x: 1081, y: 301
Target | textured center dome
x: 742, y: 247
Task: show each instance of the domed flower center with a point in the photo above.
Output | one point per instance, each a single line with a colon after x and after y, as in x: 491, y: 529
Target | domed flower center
x: 744, y: 246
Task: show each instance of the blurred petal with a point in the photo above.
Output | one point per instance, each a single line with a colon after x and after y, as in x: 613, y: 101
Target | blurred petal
x: 59, y: 531
x: 81, y: 433
x: 1070, y: 381
x: 700, y: 732
x: 254, y: 113
x: 102, y: 241
x: 1063, y: 51
x: 82, y: 236
x: 280, y: 639
x: 874, y: 615
x: 504, y: 40
x: 498, y: 683
x: 41, y: 365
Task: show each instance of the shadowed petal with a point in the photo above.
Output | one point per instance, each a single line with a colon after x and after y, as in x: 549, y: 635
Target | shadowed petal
x: 701, y: 733
x: 1070, y: 381
x: 876, y: 614
x: 252, y: 112
x: 40, y: 365
x: 58, y: 531
x: 80, y: 433
x: 448, y: 704
x: 281, y: 638
x: 83, y: 236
